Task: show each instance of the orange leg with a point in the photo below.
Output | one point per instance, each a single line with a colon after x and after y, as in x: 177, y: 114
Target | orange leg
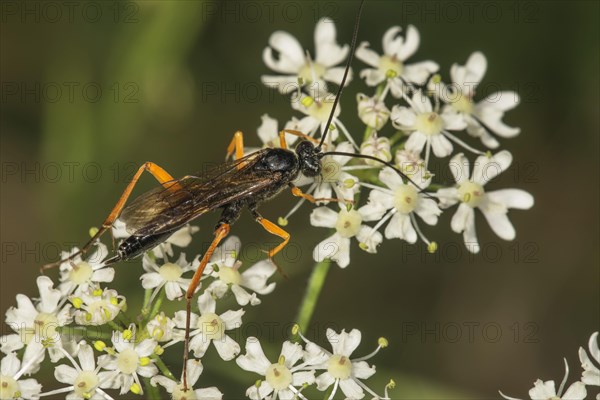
x: 275, y: 230
x: 220, y: 233
x: 162, y: 176
x: 283, y: 143
x: 296, y: 191
x: 237, y: 145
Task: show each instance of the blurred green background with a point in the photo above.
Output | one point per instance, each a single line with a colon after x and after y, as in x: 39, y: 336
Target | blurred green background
x: 92, y: 89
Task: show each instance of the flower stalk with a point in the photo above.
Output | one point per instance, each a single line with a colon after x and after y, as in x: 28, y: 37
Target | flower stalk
x: 311, y: 296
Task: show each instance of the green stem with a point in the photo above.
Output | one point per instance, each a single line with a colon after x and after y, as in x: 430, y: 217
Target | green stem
x: 152, y: 392
x: 88, y: 332
x: 114, y: 326
x: 145, y: 309
x: 313, y: 290
x: 157, y: 304
x: 163, y: 367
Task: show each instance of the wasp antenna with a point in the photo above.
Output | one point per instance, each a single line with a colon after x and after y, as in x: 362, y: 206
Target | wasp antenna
x: 386, y: 163
x: 344, y: 77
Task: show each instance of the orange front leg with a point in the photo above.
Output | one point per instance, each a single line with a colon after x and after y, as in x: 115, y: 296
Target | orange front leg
x: 237, y: 145
x: 296, y: 191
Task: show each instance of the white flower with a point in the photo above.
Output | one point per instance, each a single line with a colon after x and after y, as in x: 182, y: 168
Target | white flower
x: 404, y: 201
x: 168, y: 275
x: 295, y: 63
x: 484, y: 117
x: 226, y: 271
x: 181, y: 238
x: 96, y: 306
x: 268, y: 132
x: 11, y: 370
x: 372, y: 111
x: 470, y: 193
x: 209, y: 327
x: 317, y: 107
x: 129, y: 360
x: 78, y: 274
x: 175, y: 389
x: 84, y: 379
x: 591, y: 371
x: 391, y: 65
x: 161, y: 328
x: 281, y: 378
x: 341, y: 371
x: 348, y: 224
x: 376, y: 147
x: 428, y: 129
x: 37, y: 323
x: 547, y: 391
x: 334, y: 178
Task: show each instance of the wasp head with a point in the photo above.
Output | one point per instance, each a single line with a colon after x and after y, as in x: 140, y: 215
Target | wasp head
x: 309, y: 157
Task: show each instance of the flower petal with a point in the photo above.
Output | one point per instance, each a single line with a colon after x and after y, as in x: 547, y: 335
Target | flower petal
x: 328, y: 52
x: 512, y: 198
x: 464, y: 221
x: 487, y: 168
x: 344, y: 343
x: 227, y: 348
x: 500, y: 224
x: 419, y: 72
x: 351, y: 389
x: 410, y: 45
x: 206, y: 303
x: 291, y: 54
x: 362, y: 370
x: 459, y: 167
x: 367, y: 55
x: 254, y: 360
x: 323, y: 217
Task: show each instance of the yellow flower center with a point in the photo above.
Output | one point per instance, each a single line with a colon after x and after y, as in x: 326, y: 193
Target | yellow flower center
x: 307, y: 71
x: 45, y: 326
x: 100, y: 308
x: 179, y: 394
x: 406, y: 198
x: 230, y: 275
x: 348, y: 223
x: 471, y: 193
x: 128, y: 361
x: 278, y: 376
x: 85, y: 383
x: 463, y: 104
x: 170, y: 272
x: 429, y: 123
x: 81, y: 273
x: 212, y: 326
x: 9, y: 388
x: 320, y: 108
x: 390, y: 66
x: 339, y: 367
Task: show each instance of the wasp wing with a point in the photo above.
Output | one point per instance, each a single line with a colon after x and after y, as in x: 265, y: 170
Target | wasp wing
x: 170, y: 206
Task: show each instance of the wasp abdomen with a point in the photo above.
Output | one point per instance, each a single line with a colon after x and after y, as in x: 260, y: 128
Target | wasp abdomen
x: 135, y: 246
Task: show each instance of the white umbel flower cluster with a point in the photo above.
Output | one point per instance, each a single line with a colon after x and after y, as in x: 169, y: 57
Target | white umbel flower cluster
x: 428, y: 120
x: 375, y: 186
